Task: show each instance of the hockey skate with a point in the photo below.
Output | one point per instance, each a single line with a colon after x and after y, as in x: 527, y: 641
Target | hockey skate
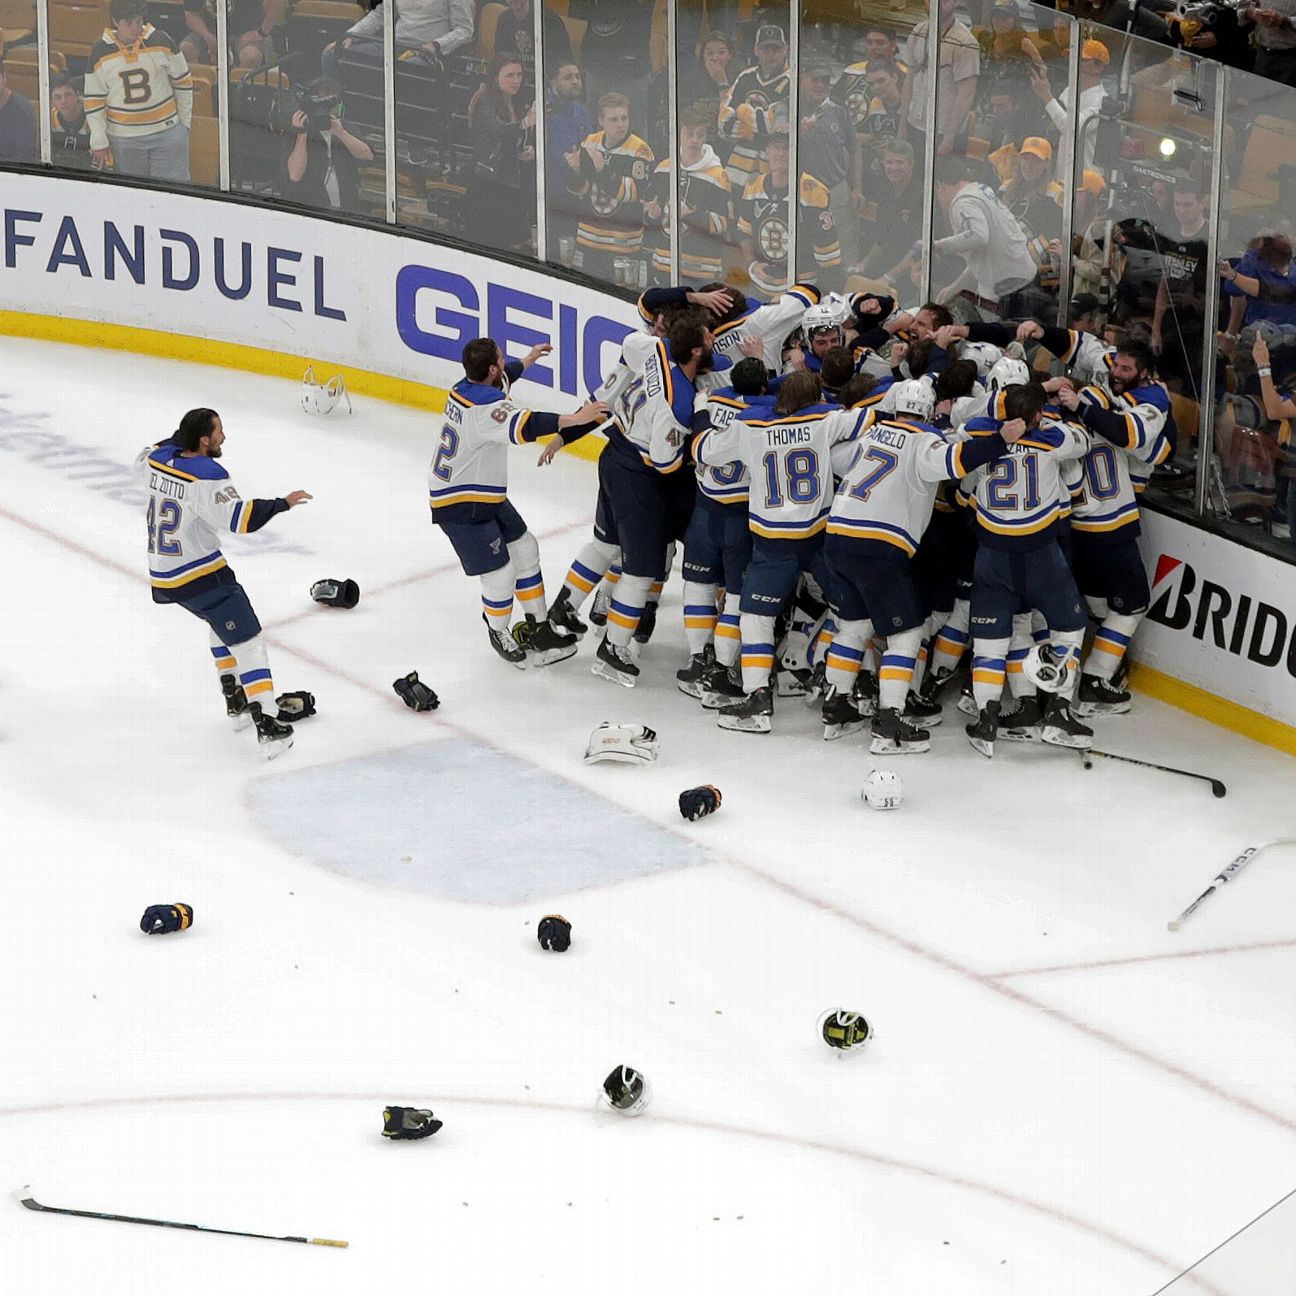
x: 982, y: 734
x: 544, y: 641
x: 921, y: 710
x: 599, y: 608
x: 1098, y: 696
x: 865, y: 693
x: 236, y: 707
x: 934, y: 683
x: 273, y: 737
x: 893, y: 735
x: 752, y: 715
x: 647, y: 624
x: 721, y: 688
x: 816, y: 685
x: 613, y: 663
x: 1021, y: 721
x: 792, y: 683
x: 691, y: 678
x: 504, y: 644
x: 967, y: 702
x: 1061, y: 728
x: 840, y: 716
x: 562, y: 616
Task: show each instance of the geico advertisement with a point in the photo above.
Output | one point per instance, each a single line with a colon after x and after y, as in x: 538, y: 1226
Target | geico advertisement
x: 1222, y: 617
x: 291, y: 283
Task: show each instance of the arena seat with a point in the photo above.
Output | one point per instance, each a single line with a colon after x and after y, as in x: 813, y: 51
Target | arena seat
x: 74, y: 28
x: 17, y: 23
x: 487, y: 22
x: 204, y: 151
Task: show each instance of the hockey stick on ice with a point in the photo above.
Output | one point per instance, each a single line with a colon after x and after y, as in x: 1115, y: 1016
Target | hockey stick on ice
x: 23, y: 1195
x: 1217, y: 787
x: 1227, y: 874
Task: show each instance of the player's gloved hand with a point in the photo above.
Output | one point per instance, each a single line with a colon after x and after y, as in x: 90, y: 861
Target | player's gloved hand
x: 409, y: 1123
x: 295, y: 706
x: 415, y: 694
x: 554, y: 933
x: 159, y: 919
x: 697, y: 803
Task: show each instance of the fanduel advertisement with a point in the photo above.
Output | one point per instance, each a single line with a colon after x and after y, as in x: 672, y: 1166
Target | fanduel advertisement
x: 1222, y: 617
x: 294, y: 284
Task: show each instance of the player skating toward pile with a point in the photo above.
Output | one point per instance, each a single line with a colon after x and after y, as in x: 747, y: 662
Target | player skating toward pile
x: 468, y: 493
x: 881, y: 510
x: 190, y: 501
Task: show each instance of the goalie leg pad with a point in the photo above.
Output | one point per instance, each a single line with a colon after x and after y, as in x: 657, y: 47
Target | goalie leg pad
x: 634, y: 744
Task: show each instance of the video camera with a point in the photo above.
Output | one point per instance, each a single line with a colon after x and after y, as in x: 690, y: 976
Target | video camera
x: 321, y: 101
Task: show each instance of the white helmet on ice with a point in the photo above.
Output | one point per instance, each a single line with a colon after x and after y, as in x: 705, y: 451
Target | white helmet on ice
x: 323, y: 399
x: 882, y: 789
x: 982, y: 354
x: 915, y: 398
x: 1007, y: 372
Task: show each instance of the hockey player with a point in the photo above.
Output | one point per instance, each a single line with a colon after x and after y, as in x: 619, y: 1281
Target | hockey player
x: 791, y: 458
x: 648, y: 489
x: 138, y: 97
x: 717, y: 548
x: 190, y: 501
x: 1129, y: 420
x: 468, y: 493
x: 1019, y: 564
x: 879, y: 515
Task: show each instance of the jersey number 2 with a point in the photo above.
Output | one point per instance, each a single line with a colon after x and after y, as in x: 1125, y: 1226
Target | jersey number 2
x: 447, y: 450
x: 163, y: 523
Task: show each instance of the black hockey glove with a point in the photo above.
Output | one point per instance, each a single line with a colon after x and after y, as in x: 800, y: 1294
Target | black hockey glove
x: 554, y: 933
x: 166, y: 918
x: 295, y: 706
x: 409, y: 1123
x: 336, y: 593
x: 415, y: 694
x: 697, y: 803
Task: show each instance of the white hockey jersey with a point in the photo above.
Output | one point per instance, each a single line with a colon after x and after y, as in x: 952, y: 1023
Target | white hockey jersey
x: 791, y: 458
x: 191, y: 501
x: 770, y: 325
x: 653, y: 412
x: 889, y: 489
x: 471, y: 461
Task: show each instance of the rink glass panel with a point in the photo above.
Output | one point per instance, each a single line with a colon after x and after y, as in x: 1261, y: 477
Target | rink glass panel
x: 1000, y: 68
x: 859, y: 215
x: 1250, y: 491
x: 300, y: 133
x: 22, y: 66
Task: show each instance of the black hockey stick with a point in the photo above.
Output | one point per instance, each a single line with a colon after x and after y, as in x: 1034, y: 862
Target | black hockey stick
x: 1216, y: 786
x: 23, y: 1195
x: 1227, y: 874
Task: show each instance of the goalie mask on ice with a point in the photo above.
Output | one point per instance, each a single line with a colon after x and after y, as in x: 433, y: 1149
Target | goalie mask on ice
x: 317, y: 399
x: 882, y: 789
x: 840, y: 1028
x: 1049, y: 666
x: 634, y: 744
x: 626, y: 1091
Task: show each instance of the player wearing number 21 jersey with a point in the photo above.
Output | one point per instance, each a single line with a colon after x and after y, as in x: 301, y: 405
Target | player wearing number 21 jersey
x: 791, y: 457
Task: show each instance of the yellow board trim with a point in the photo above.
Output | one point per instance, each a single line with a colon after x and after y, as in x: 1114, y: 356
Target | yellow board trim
x: 234, y: 355
x: 1208, y: 706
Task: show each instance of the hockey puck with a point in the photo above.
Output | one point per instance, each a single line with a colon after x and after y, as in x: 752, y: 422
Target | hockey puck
x: 1172, y: 926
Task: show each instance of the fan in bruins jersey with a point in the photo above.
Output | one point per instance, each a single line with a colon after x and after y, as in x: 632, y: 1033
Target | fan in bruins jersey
x: 748, y: 109
x: 705, y: 206
x: 763, y: 225
x: 610, y: 172
x: 138, y: 97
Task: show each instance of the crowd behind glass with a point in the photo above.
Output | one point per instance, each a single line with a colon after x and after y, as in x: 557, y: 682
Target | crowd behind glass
x: 1105, y: 166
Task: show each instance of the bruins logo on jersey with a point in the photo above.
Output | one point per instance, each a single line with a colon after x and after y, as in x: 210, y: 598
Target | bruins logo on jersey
x: 772, y: 238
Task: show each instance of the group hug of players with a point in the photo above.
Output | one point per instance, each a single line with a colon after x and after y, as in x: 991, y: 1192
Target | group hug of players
x: 861, y: 493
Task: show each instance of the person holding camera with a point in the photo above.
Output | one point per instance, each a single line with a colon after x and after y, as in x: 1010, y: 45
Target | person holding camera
x: 321, y: 167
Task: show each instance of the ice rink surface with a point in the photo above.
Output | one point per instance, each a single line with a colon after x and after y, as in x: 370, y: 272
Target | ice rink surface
x: 1062, y: 1099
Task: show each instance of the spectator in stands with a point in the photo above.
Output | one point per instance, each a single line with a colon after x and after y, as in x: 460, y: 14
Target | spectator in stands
x: 515, y: 34
x: 1179, y: 314
x: 139, y: 97
x: 17, y: 124
x: 896, y: 215
x: 501, y: 117
x: 69, y: 130
x: 826, y: 150
x: 1275, y: 40
x: 706, y: 84
x: 616, y: 50
x: 705, y: 205
x: 437, y: 27
x: 1094, y: 58
x: 955, y: 85
x: 321, y: 169
x: 1213, y: 31
x: 1006, y: 60
x: 609, y: 172
x: 1035, y: 198
x: 988, y: 239
x: 747, y: 111
x: 879, y: 126
x: 262, y: 45
x: 1262, y: 286
x: 567, y: 122
x: 200, y: 45
x: 1279, y: 406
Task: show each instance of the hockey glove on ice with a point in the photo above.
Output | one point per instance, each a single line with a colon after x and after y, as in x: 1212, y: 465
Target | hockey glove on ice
x: 415, y: 694
x: 409, y: 1123
x: 554, y: 933
x: 166, y: 918
x: 698, y: 802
